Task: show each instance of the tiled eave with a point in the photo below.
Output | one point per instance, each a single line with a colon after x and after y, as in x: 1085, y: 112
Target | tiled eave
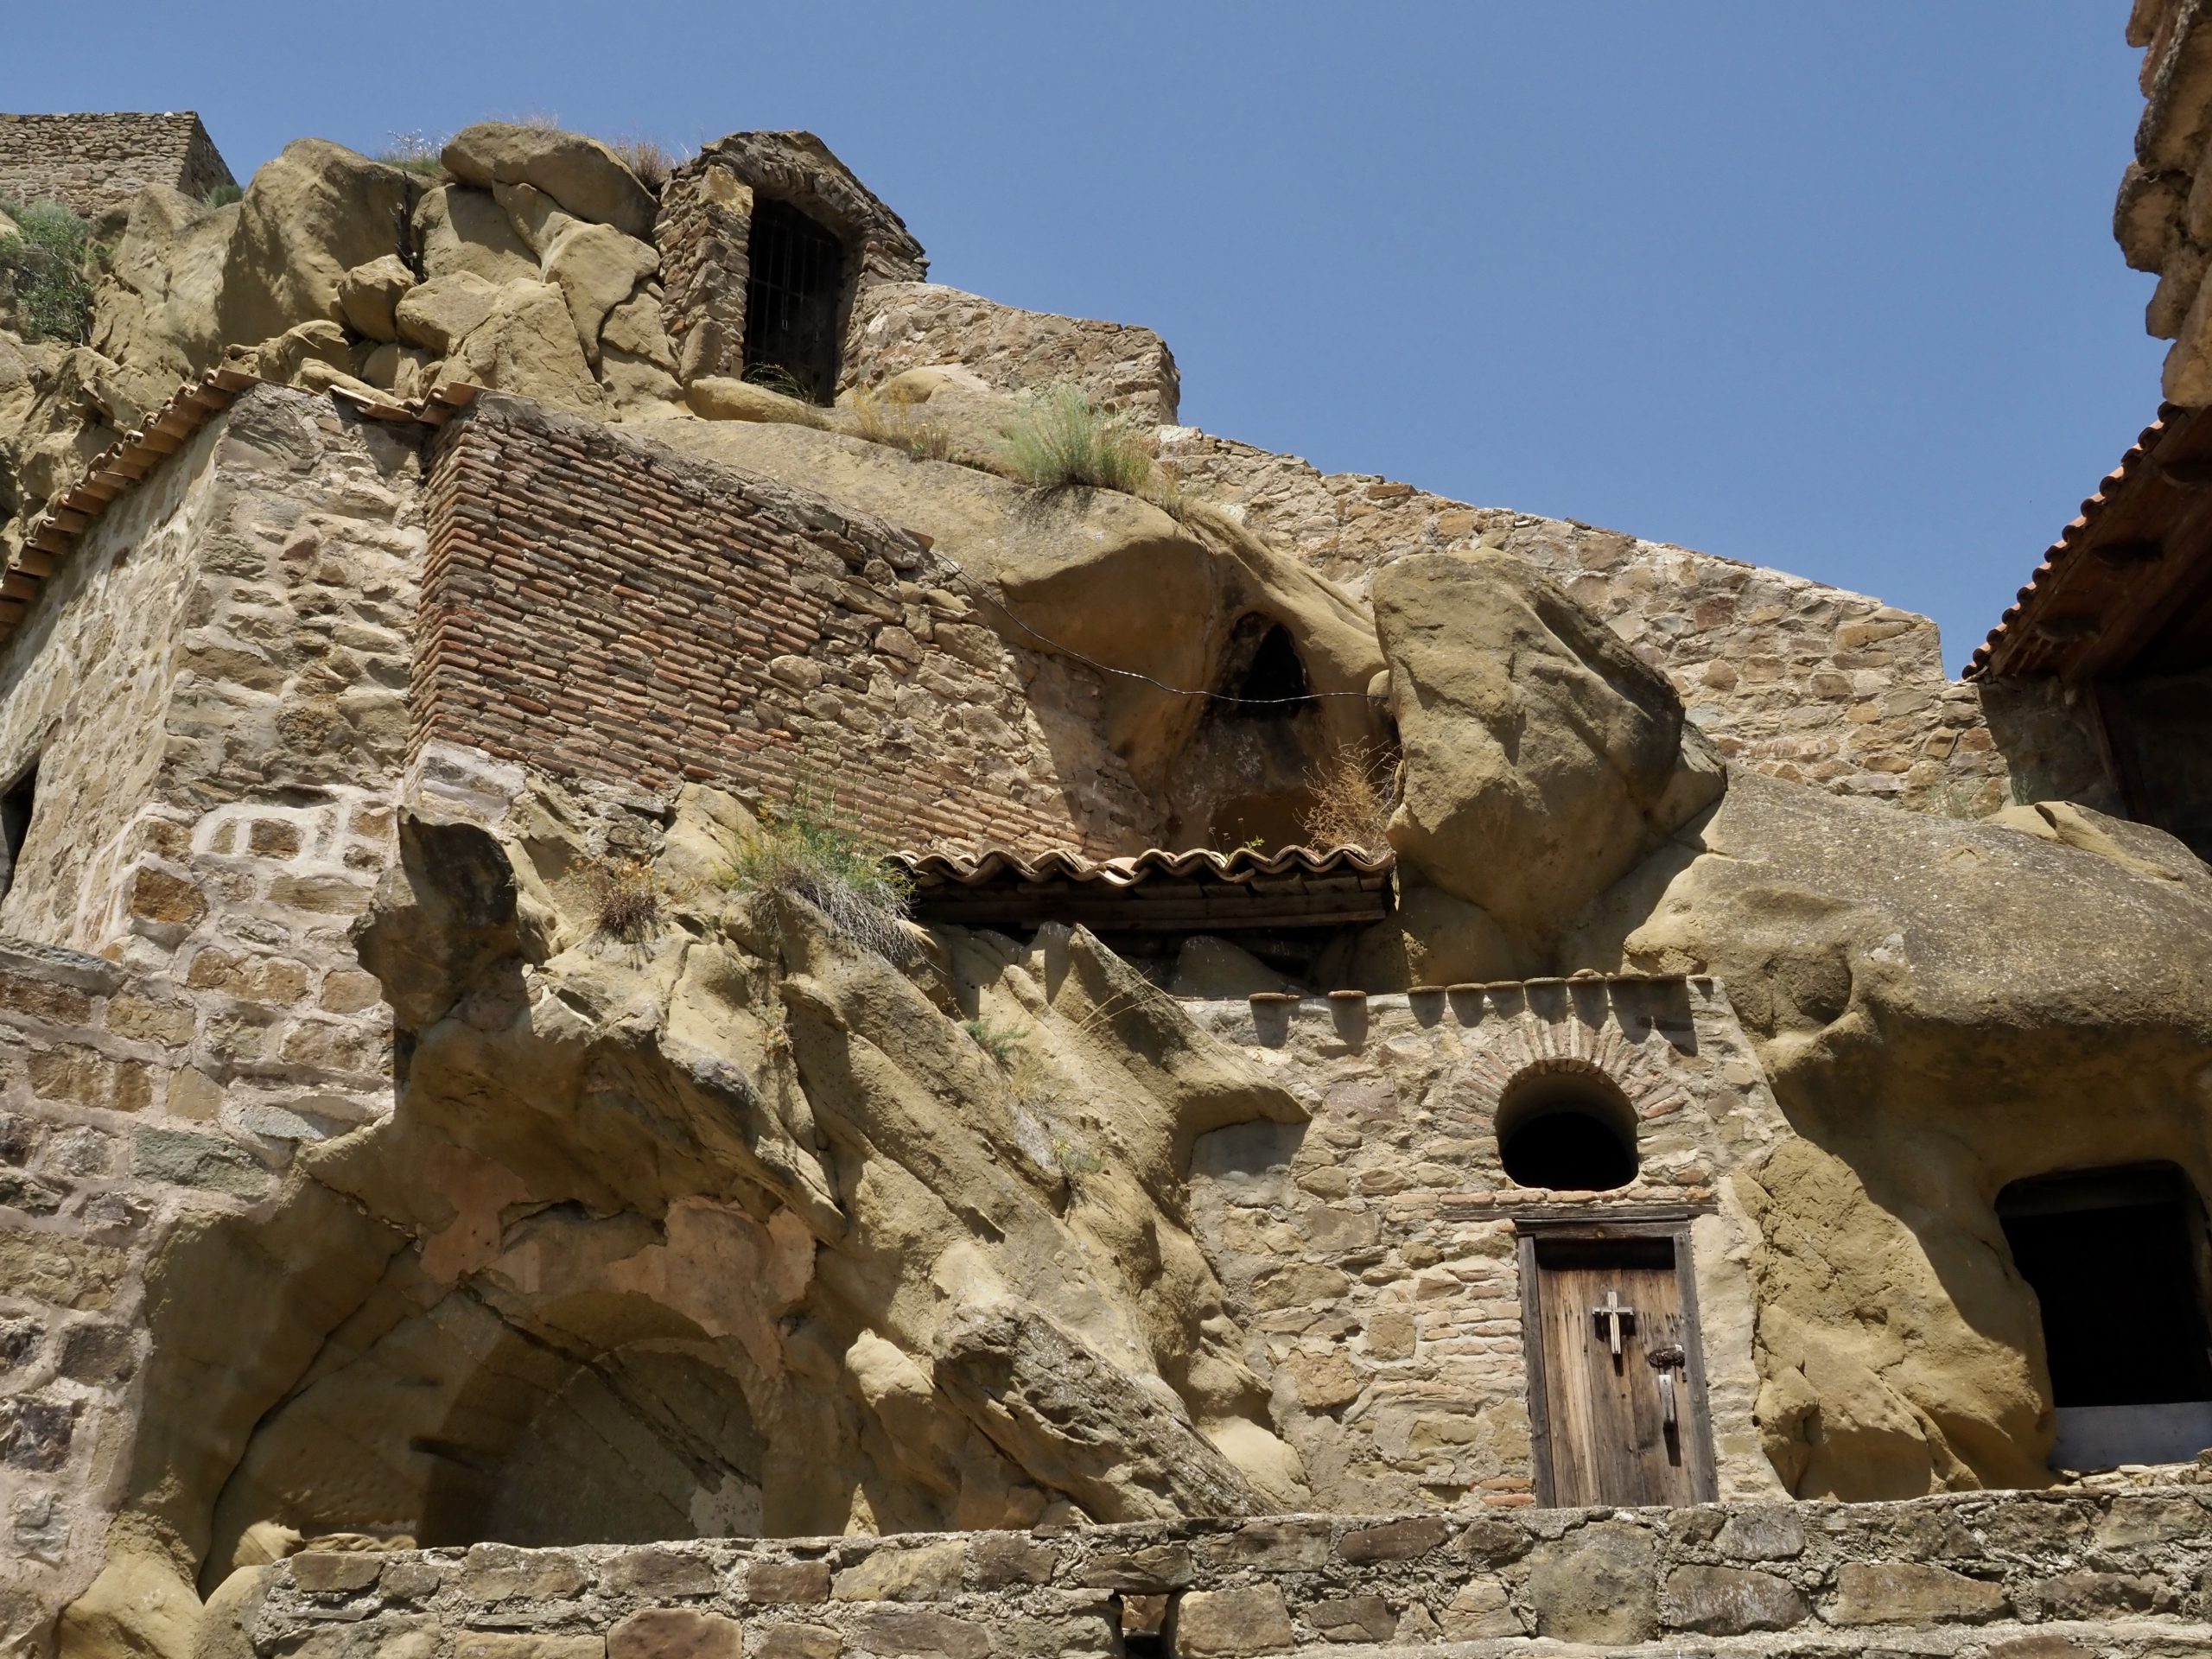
x: 1155, y: 890
x: 2127, y: 585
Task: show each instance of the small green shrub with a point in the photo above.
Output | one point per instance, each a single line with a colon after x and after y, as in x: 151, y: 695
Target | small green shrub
x: 44, y: 262
x: 222, y: 195
x: 413, y: 152
x: 1001, y: 1043
x: 1063, y: 439
x: 807, y: 850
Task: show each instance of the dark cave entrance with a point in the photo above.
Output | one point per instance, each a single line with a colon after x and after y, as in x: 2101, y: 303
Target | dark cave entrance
x: 1272, y: 685
x: 2112, y: 1257
x: 794, y: 292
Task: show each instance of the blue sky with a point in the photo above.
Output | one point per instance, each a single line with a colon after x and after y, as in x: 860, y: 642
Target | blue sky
x: 1829, y: 288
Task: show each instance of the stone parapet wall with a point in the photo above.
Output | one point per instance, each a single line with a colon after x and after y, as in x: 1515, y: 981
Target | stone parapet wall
x: 1807, y: 683
x: 900, y: 325
x: 95, y: 163
x: 604, y: 609
x: 2023, y: 1575
x: 1371, y: 1253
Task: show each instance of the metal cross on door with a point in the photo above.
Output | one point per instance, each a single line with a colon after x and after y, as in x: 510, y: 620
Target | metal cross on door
x: 1611, y: 1374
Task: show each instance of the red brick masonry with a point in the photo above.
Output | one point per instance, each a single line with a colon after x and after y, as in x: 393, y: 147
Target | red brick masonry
x: 599, y: 607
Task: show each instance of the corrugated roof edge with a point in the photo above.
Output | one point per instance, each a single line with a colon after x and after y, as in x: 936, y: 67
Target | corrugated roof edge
x: 1245, y: 864
x: 2022, y: 610
x: 124, y: 464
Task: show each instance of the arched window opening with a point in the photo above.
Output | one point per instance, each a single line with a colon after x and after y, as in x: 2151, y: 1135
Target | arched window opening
x: 794, y: 290
x: 1272, y: 685
x: 2114, y: 1258
x: 1567, y: 1129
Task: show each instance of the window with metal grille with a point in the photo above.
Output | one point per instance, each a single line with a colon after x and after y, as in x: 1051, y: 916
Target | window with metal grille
x: 791, y: 297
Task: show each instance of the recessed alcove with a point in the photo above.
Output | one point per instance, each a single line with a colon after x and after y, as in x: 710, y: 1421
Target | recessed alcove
x: 1567, y: 1127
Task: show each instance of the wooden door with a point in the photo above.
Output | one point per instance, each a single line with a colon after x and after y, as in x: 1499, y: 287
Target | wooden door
x: 1616, y: 1383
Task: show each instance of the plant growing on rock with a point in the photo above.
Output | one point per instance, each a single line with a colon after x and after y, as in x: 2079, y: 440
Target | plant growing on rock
x: 650, y: 159
x: 625, y: 898
x: 413, y: 152
x: 1354, y: 791
x: 1063, y: 440
x: 807, y: 850
x: 1000, y: 1042
x: 44, y: 262
x: 897, y: 425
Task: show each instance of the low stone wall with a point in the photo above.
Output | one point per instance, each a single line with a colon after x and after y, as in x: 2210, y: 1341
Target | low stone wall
x: 900, y: 325
x: 2021, y: 1576
x: 1787, y: 676
x: 605, y: 609
x: 95, y: 163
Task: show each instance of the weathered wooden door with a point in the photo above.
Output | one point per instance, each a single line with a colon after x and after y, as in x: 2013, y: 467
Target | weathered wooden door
x: 1615, y: 1381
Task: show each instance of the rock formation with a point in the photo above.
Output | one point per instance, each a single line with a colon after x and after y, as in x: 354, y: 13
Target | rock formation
x: 423, y: 1124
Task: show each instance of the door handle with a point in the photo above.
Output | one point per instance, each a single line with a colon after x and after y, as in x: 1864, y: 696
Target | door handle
x: 1667, y: 1361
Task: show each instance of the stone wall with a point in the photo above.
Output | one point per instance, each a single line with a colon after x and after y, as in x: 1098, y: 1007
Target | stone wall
x: 2021, y: 1576
x: 1805, y: 682
x: 705, y: 228
x: 1371, y: 1252
x: 95, y: 163
x: 605, y: 609
x: 900, y: 325
x: 238, y: 627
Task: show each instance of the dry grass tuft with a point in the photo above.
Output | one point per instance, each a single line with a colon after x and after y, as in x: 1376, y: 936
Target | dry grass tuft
x: 808, y: 850
x: 1062, y: 440
x: 1354, y: 792
x: 650, y: 159
x: 625, y: 898
x: 897, y: 424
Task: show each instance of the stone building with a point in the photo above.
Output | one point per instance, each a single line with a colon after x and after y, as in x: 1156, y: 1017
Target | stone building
x: 96, y: 162
x: 476, y: 1177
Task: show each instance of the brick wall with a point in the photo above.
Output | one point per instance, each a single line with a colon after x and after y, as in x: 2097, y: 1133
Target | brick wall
x: 602, y: 608
x: 898, y: 326
x: 97, y: 162
x: 2025, y: 1575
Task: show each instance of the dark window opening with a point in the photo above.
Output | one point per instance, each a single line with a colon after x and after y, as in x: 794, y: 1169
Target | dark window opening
x: 1274, y: 685
x: 792, y: 295
x: 16, y: 823
x: 1573, y: 1130
x: 2112, y: 1257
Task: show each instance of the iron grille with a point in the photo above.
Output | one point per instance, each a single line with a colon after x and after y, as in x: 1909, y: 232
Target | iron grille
x: 796, y: 279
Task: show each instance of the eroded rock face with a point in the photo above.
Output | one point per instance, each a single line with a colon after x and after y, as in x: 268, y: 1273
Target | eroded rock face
x: 731, y: 1229
x: 1543, y: 759
x: 1943, y: 1007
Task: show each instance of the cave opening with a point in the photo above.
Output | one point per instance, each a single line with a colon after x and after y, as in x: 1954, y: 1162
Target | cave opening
x: 1272, y: 685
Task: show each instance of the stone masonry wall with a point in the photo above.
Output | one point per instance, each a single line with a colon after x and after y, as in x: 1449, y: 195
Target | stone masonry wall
x: 84, y: 686
x: 95, y: 163
x: 1371, y: 1254
x: 608, y: 610
x: 900, y: 325
x: 2016, y: 1575
x: 249, y: 605
x: 705, y: 227
x: 1804, y: 681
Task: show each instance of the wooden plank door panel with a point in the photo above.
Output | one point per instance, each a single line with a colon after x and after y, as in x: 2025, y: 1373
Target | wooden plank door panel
x: 1608, y: 1440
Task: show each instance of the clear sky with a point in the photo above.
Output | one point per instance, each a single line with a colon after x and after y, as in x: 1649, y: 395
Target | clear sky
x: 1826, y: 287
